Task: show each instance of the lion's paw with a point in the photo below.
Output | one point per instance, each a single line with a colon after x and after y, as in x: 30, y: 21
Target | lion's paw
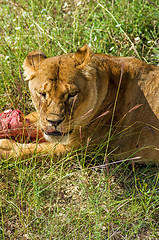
x: 8, y: 149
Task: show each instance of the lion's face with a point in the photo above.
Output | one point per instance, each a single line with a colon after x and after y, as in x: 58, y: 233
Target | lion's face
x: 61, y: 93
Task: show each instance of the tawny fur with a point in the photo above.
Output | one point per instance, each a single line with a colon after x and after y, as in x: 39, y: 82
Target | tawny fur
x: 79, y: 96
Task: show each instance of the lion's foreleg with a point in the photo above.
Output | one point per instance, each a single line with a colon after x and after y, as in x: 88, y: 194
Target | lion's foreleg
x: 9, y: 149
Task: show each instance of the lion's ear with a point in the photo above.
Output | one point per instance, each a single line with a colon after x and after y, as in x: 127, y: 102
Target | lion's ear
x: 31, y: 63
x: 83, y: 55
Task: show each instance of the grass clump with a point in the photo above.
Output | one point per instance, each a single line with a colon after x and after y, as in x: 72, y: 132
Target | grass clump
x: 75, y: 198
x: 63, y: 200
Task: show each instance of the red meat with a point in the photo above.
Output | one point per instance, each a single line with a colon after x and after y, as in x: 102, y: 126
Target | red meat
x: 13, y: 125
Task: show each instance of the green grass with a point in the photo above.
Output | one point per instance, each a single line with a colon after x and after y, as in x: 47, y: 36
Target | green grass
x: 75, y: 198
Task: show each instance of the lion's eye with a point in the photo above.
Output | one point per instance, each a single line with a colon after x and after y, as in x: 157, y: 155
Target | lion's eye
x: 72, y: 95
x: 42, y: 94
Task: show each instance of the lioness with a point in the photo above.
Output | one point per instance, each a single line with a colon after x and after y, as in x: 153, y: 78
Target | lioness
x: 86, y: 98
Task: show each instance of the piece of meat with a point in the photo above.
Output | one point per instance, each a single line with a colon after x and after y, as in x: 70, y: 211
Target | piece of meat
x: 14, y: 126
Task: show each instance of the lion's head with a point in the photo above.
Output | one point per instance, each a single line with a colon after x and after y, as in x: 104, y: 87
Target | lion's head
x: 64, y: 90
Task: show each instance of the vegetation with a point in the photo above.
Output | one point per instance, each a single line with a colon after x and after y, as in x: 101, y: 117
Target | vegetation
x: 77, y: 197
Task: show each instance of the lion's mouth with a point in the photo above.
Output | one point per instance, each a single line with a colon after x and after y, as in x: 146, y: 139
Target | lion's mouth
x: 56, y: 133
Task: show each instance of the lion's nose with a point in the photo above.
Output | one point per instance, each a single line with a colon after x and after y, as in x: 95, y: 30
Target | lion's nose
x: 55, y: 123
